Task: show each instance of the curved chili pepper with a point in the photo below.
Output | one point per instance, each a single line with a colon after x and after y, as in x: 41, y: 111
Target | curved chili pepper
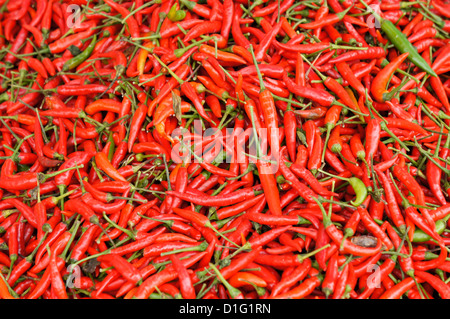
x: 378, y: 88
x: 127, y: 270
x: 130, y: 20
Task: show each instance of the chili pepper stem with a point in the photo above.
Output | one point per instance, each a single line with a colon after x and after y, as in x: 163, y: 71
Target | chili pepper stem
x: 234, y: 292
x: 200, y: 247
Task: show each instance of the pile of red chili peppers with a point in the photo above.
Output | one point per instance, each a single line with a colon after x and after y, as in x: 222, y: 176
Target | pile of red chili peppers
x: 353, y: 95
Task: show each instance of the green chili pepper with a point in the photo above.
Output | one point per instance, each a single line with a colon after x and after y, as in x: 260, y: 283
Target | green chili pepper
x: 420, y: 236
x: 401, y: 43
x: 80, y: 58
x: 360, y: 191
x: 358, y: 186
x: 176, y: 15
x: 112, y: 147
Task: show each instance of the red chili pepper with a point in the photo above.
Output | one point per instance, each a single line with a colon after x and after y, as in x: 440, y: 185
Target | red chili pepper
x: 166, y: 275
x: 378, y: 88
x: 290, y: 124
x: 127, y: 270
x: 302, y: 290
x: 323, y: 98
x: 131, y: 22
